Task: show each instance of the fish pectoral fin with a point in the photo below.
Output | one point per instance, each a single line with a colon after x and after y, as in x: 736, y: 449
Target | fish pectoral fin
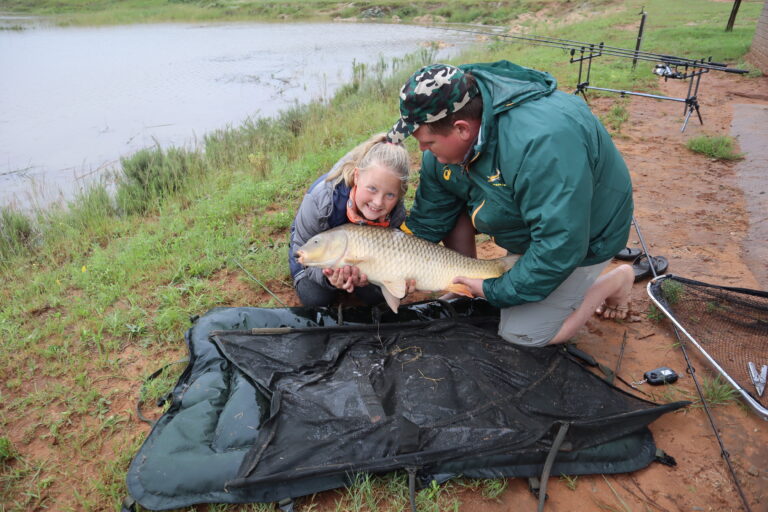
x: 392, y: 301
x: 393, y: 292
x: 459, y: 289
x: 396, y: 289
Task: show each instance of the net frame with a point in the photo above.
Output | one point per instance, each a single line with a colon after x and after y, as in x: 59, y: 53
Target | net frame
x: 654, y: 290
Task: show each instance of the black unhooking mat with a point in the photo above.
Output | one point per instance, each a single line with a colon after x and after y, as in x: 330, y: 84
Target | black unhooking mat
x: 280, y: 403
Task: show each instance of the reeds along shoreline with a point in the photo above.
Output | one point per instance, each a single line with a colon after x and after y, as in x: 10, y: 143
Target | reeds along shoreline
x: 260, y: 149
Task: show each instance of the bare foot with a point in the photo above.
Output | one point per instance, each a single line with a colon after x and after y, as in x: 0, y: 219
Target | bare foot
x: 616, y: 306
x: 613, y: 312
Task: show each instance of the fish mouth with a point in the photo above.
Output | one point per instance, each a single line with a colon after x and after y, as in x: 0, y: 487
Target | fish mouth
x: 301, y: 256
x: 316, y: 252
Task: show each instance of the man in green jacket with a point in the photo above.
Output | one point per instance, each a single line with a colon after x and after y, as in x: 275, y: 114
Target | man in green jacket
x: 533, y: 168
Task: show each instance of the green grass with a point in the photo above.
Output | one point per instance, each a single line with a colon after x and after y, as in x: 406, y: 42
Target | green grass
x: 715, y: 390
x: 616, y: 116
x: 721, y: 147
x: 654, y: 314
x: 673, y: 291
x: 570, y: 481
x: 718, y: 392
x: 17, y: 233
x: 106, y: 12
x: 488, y: 488
x: 97, y: 294
x: 7, y: 451
x: 389, y: 492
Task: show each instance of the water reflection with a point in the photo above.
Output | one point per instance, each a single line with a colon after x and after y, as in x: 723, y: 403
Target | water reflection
x: 73, y: 100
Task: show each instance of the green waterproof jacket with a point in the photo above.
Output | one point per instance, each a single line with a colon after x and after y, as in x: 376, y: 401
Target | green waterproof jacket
x: 545, y: 181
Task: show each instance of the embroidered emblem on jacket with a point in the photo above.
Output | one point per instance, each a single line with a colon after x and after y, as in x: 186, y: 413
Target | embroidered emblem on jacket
x: 495, y: 179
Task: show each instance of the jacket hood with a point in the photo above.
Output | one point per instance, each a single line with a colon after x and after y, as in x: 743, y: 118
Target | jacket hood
x: 509, y: 85
x: 503, y: 86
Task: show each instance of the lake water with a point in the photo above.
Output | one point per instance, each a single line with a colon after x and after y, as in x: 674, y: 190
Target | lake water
x: 74, y: 100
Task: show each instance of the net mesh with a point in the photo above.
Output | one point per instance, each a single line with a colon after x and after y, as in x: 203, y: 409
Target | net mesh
x: 729, y: 324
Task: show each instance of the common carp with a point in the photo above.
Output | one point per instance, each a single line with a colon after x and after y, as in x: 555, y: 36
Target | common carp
x: 390, y: 257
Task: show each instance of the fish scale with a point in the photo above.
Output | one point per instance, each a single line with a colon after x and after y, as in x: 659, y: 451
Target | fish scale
x: 390, y: 257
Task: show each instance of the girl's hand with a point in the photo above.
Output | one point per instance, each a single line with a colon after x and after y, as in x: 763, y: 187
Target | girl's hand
x: 346, y: 278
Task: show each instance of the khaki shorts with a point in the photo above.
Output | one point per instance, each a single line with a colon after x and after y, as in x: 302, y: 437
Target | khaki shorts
x: 536, y: 323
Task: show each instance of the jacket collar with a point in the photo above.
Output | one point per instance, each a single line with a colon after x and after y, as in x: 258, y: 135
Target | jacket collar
x: 356, y: 218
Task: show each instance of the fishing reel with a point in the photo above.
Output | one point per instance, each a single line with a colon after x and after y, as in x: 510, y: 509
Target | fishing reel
x: 664, y: 69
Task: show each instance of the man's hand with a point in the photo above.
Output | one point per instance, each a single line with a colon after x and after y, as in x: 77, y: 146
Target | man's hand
x: 346, y: 278
x: 475, y: 285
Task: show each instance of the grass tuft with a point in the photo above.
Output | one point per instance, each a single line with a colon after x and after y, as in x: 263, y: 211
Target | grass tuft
x: 7, y: 450
x: 17, y: 234
x: 616, y: 117
x: 721, y: 147
x: 570, y: 481
x: 672, y: 291
x: 153, y: 174
x: 654, y: 314
x: 718, y: 392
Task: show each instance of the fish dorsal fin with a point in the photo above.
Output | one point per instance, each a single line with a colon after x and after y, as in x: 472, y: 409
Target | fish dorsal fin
x: 508, y: 261
x: 393, y: 292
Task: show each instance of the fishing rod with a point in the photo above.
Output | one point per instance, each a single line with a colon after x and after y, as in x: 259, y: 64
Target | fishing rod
x: 570, y: 44
x: 667, y: 66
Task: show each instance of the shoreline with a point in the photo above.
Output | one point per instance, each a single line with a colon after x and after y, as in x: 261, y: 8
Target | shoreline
x: 241, y: 74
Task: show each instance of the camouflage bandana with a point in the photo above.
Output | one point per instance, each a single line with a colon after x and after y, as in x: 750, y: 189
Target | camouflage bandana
x: 430, y: 94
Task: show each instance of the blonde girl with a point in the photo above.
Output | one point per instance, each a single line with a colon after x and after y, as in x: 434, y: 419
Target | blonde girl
x: 365, y: 187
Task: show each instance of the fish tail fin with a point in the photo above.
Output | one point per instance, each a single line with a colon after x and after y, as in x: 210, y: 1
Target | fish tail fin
x: 459, y: 289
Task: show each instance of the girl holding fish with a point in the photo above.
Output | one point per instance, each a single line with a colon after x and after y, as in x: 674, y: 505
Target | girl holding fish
x: 365, y: 187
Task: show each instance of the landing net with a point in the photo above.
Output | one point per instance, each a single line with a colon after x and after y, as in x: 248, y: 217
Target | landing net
x: 729, y: 326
